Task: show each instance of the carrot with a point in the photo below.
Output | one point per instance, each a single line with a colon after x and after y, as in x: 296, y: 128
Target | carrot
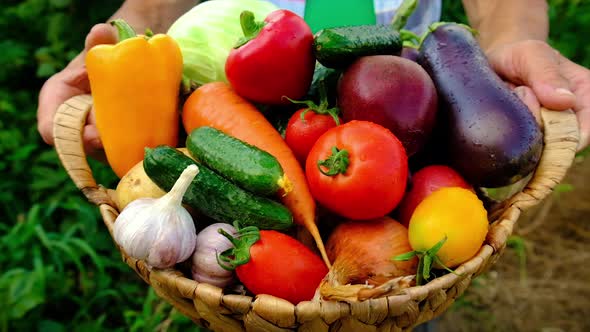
x: 217, y: 105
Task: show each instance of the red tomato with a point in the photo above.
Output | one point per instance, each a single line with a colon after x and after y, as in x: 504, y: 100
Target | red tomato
x: 277, y: 61
x: 283, y: 267
x: 363, y: 171
x: 302, y: 133
x: 424, y: 182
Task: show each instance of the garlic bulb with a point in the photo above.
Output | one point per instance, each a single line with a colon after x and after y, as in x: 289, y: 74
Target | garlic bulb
x: 159, y: 230
x: 210, y: 243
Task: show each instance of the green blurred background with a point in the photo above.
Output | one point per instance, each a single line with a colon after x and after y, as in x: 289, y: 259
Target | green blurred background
x: 59, y: 270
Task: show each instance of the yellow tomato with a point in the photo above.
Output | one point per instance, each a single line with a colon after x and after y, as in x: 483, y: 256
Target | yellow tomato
x: 456, y: 213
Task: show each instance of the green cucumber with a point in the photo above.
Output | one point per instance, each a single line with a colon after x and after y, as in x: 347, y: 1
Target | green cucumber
x: 245, y: 165
x: 213, y: 195
x: 339, y: 47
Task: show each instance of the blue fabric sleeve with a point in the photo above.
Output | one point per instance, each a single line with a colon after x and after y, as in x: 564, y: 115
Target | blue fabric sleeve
x: 427, y: 12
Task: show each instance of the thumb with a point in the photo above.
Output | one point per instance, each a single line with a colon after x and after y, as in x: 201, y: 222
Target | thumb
x: 100, y: 34
x: 528, y: 97
x: 584, y: 123
x: 536, y: 65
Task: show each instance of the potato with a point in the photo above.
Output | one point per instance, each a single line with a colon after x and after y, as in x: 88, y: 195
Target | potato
x: 136, y: 184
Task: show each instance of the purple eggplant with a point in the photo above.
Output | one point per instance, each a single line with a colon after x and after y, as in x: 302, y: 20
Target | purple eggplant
x: 491, y: 137
x: 410, y: 53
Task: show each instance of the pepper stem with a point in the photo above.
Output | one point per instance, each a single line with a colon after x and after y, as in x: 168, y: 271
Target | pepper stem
x: 337, y: 163
x: 250, y: 27
x: 124, y: 30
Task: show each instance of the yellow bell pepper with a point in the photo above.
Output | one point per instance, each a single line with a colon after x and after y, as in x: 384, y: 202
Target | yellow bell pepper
x: 135, y: 88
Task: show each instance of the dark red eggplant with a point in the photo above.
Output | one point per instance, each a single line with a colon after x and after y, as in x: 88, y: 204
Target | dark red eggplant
x: 491, y: 137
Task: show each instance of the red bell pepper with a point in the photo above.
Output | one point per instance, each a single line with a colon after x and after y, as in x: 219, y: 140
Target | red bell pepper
x: 273, y: 59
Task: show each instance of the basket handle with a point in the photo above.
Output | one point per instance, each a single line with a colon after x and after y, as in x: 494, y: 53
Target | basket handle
x: 68, y: 126
x: 561, y: 137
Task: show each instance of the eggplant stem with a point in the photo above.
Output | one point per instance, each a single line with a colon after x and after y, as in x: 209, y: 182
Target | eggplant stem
x: 410, y: 39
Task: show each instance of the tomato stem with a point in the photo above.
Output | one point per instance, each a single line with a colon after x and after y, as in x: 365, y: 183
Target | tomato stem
x: 425, y: 260
x: 322, y: 108
x: 240, y: 253
x: 337, y: 163
x: 250, y: 27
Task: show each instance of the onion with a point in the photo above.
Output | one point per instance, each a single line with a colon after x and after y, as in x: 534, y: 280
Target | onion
x: 362, y: 254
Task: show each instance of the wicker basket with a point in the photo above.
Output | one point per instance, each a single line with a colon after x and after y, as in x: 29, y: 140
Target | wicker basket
x: 208, y: 306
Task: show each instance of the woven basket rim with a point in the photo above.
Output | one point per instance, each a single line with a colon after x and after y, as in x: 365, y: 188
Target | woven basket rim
x: 560, y: 142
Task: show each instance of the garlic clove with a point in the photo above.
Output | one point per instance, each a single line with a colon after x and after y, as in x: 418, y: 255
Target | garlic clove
x: 205, y: 267
x: 160, y: 231
x: 175, y: 243
x: 133, y: 231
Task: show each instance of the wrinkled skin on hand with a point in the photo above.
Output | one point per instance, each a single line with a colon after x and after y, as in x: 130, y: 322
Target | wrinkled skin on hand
x: 70, y: 82
x: 540, y: 75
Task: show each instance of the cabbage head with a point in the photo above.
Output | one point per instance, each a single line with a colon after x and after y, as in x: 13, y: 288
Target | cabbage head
x: 208, y: 32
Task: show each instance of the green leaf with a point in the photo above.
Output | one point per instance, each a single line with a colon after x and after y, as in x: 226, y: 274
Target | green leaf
x: 405, y: 257
x: 84, y: 247
x: 239, y: 253
x: 23, y: 294
x: 564, y: 188
x: 60, y: 3
x: 518, y: 244
x: 50, y: 326
x: 46, y: 70
x: 434, y: 250
x: 55, y: 32
x: 23, y: 153
x: 419, y: 269
x: 13, y: 53
x: 439, y: 262
x: 426, y: 266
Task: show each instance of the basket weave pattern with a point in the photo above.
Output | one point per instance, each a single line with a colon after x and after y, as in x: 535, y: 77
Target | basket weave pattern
x: 396, y: 310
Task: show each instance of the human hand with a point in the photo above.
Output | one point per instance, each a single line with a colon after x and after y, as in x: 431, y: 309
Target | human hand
x: 545, y: 77
x: 70, y: 82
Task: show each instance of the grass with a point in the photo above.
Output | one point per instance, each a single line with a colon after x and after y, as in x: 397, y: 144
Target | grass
x: 59, y: 268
